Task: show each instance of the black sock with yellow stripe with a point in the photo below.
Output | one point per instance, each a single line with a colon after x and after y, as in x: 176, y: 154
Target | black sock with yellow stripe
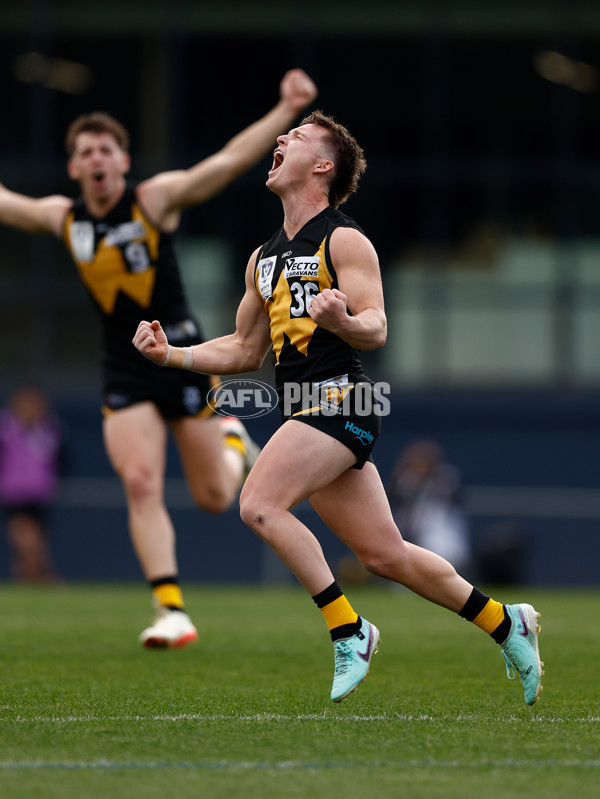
x: 167, y: 593
x: 487, y: 614
x: 341, y: 619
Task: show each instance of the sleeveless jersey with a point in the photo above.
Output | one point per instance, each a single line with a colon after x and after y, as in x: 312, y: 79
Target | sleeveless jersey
x: 288, y: 274
x: 129, y: 268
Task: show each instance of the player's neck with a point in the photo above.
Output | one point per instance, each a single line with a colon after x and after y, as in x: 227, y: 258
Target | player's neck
x: 299, y: 211
x: 101, y: 206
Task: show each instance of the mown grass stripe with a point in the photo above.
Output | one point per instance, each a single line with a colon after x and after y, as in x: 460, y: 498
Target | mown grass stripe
x: 241, y: 765
x: 328, y: 717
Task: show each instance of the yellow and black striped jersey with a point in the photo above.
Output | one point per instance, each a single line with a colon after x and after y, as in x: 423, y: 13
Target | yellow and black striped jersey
x: 288, y: 274
x: 129, y: 268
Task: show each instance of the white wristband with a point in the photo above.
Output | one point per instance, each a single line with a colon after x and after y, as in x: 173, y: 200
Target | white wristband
x: 188, y: 360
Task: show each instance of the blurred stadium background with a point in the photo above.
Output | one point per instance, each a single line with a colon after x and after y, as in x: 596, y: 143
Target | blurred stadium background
x: 481, y: 124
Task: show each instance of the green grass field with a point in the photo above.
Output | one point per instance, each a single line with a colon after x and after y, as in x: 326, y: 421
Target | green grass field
x: 86, y: 712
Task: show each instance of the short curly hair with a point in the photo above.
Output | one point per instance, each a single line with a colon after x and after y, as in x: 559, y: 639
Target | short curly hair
x: 96, y: 122
x: 349, y: 158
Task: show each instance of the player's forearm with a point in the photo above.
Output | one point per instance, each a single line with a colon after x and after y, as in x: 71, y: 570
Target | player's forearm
x: 14, y: 211
x: 221, y: 356
x: 174, y: 191
x: 296, y: 91
x: 248, y: 147
x: 29, y: 214
x: 171, y: 192
x: 365, y: 331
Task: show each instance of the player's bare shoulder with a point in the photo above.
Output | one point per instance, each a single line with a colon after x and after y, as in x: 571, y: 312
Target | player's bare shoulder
x: 350, y: 246
x: 156, y: 198
x: 251, y: 268
x: 54, y: 210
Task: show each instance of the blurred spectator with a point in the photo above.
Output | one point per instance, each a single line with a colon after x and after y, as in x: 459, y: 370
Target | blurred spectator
x: 424, y: 494
x: 31, y: 445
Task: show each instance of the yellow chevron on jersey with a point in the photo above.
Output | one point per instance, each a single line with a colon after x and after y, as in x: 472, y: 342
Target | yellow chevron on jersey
x: 288, y: 274
x: 118, y: 265
x: 289, y: 302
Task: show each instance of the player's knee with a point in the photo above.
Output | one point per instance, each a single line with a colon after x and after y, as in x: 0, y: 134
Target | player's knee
x: 249, y: 512
x: 140, y: 483
x: 212, y: 499
x: 254, y: 513
x: 376, y: 565
x: 384, y: 563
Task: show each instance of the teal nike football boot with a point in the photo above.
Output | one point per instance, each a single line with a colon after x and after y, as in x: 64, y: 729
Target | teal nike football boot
x: 352, y: 658
x: 521, y: 650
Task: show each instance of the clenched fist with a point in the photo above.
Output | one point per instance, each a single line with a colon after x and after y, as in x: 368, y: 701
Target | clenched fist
x: 297, y: 89
x: 151, y: 341
x: 328, y: 309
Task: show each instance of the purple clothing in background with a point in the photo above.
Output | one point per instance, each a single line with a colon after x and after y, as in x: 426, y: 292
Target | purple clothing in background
x: 29, y: 459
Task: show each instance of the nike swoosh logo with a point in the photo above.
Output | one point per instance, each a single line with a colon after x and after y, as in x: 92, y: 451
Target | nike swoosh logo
x: 365, y: 655
x: 525, y: 627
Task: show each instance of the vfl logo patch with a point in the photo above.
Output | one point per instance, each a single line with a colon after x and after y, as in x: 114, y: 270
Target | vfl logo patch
x: 265, y: 269
x: 81, y: 237
x: 301, y: 267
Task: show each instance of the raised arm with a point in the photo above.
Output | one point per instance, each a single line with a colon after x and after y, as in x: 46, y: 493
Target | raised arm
x: 242, y: 351
x: 43, y: 215
x: 167, y: 194
x: 359, y: 280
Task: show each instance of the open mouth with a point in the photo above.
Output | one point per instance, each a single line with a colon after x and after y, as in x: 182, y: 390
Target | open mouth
x: 98, y: 176
x: 277, y: 161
